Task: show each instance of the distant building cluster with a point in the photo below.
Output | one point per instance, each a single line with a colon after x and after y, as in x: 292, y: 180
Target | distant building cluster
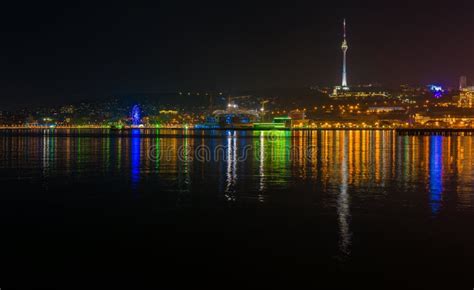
x: 342, y: 106
x: 466, y: 98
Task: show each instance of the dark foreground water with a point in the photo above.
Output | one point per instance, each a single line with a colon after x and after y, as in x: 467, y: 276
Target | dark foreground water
x: 246, y: 209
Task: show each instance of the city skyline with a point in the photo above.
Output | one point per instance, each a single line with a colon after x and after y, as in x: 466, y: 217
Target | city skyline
x: 247, y: 144
x: 96, y: 52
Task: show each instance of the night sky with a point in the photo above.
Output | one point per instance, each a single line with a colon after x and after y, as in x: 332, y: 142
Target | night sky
x: 51, y: 53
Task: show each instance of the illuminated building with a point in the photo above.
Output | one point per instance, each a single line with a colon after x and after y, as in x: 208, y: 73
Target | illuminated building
x: 466, y: 98
x: 462, y: 82
x: 168, y: 112
x: 298, y: 118
x: 295, y: 119
x: 362, y: 93
x: 232, y: 117
x: 278, y: 123
x: 453, y: 121
x: 437, y: 91
x: 297, y: 115
x: 384, y: 109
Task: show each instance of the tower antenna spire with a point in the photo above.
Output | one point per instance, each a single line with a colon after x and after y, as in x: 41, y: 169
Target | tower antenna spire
x: 344, y: 28
x: 344, y: 48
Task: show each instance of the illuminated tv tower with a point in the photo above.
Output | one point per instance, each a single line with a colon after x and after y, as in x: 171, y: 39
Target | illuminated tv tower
x: 344, y: 48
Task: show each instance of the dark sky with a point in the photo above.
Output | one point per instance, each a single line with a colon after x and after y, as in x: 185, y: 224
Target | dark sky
x: 49, y: 52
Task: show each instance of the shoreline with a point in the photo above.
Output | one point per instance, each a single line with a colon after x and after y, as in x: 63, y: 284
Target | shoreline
x: 207, y: 132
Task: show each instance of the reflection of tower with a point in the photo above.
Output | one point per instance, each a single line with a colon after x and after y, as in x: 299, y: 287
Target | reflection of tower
x: 462, y: 83
x: 344, y: 48
x: 343, y: 201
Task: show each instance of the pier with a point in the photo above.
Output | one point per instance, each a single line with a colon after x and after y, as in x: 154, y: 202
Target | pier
x: 435, y: 131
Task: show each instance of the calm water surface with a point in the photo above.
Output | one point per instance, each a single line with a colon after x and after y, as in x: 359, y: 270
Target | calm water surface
x: 240, y: 208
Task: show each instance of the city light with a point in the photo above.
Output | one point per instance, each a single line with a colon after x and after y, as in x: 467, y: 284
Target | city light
x: 437, y: 90
x: 136, y: 115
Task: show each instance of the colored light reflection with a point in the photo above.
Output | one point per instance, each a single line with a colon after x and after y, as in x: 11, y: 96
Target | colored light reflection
x: 135, y: 157
x: 436, y: 173
x: 343, y: 201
